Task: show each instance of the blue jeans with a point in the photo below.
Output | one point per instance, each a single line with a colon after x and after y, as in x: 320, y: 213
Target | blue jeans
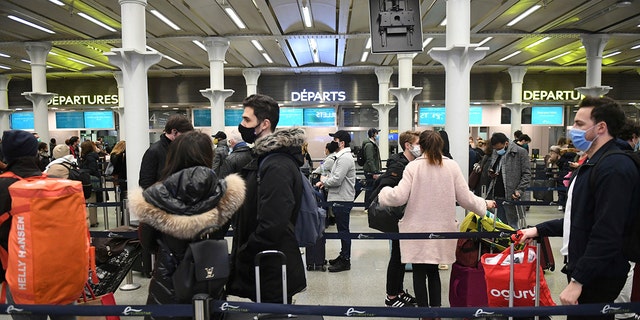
x: 342, y: 211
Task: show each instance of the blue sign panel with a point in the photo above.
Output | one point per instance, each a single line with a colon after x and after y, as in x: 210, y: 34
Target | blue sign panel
x: 70, y: 120
x: 320, y: 117
x: 290, y: 117
x: 202, y: 117
x: 22, y: 121
x: 232, y: 117
x: 475, y: 116
x: 548, y: 115
x: 98, y: 120
x: 431, y: 116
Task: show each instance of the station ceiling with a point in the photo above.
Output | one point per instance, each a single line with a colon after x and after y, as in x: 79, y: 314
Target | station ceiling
x: 548, y: 39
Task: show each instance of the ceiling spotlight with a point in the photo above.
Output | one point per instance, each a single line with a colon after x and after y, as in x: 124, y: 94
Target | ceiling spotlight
x: 623, y: 3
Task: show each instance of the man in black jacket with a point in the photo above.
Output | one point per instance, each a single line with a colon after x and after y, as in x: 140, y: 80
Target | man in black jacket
x: 153, y: 160
x: 596, y: 215
x: 267, y: 218
x: 239, y: 157
x: 396, y: 295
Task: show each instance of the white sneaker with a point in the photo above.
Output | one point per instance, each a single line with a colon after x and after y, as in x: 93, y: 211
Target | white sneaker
x: 560, y: 208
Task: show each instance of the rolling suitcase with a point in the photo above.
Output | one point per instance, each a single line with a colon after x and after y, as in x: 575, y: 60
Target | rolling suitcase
x: 467, y: 286
x: 315, y: 256
x: 547, y: 262
x: 252, y: 316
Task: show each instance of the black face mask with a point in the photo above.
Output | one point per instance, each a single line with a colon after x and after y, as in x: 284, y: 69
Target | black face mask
x: 248, y: 134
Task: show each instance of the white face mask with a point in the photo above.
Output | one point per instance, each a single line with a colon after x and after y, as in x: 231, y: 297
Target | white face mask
x: 416, y: 152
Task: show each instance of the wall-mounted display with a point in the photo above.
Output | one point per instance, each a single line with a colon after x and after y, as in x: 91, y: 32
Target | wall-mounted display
x: 319, y: 117
x: 22, y: 121
x: 98, y: 120
x: 70, y: 120
x: 547, y: 115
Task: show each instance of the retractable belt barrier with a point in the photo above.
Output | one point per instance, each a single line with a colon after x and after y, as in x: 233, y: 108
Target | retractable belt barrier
x: 205, y: 304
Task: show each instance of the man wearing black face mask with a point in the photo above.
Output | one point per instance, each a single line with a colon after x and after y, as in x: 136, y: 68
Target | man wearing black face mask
x: 510, y: 172
x: 273, y: 196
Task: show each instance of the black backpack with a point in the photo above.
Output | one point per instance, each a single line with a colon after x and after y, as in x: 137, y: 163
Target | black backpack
x: 81, y: 175
x: 361, y: 159
x: 631, y: 244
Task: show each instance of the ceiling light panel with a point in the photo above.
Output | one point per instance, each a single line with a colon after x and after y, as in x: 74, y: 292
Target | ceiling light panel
x: 199, y: 44
x: 524, y: 15
x: 511, y: 55
x: 164, y: 19
x: 30, y: 24
x: 96, y: 21
x: 257, y: 44
x: 537, y: 42
x: 306, y: 16
x: 235, y: 18
x: 558, y: 56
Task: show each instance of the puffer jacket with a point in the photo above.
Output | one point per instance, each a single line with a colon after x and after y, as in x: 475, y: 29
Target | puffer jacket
x: 267, y: 218
x: 175, y: 211
x: 236, y: 160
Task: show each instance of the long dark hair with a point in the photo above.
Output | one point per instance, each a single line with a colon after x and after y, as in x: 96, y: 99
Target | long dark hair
x: 431, y: 144
x: 189, y: 149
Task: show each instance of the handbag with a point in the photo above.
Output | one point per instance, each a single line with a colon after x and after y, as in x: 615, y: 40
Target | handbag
x: 384, y: 218
x: 90, y: 299
x: 474, y: 179
x: 203, y: 269
x: 496, y: 272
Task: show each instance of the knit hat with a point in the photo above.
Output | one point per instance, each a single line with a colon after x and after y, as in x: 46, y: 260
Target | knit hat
x: 60, y: 151
x: 18, y: 143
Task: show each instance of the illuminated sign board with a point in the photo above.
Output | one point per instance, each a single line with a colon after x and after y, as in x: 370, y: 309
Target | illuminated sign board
x: 232, y: 117
x: 290, y: 117
x: 22, y: 121
x: 202, y: 117
x: 436, y: 116
x: 70, y: 120
x: 98, y: 120
x: 548, y: 115
x: 319, y: 117
x: 318, y: 96
x: 552, y: 95
x: 86, y: 99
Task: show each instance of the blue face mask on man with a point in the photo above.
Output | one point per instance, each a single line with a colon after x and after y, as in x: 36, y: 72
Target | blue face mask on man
x: 579, y: 139
x: 502, y: 151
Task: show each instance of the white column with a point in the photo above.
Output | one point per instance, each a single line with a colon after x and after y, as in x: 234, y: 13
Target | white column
x: 4, y: 103
x: 134, y: 61
x: 516, y: 105
x: 39, y: 96
x: 383, y: 106
x: 251, y: 78
x: 594, y: 46
x: 458, y: 58
x: 120, y: 108
x: 405, y: 91
x: 216, y: 49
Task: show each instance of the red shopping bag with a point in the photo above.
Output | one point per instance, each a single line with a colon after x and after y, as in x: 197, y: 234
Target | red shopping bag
x: 496, y: 271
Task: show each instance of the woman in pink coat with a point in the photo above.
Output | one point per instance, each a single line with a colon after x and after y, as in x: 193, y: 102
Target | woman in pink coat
x: 430, y: 186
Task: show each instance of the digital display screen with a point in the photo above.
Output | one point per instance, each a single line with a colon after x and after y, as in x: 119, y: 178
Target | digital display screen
x: 475, y: 116
x: 22, y: 121
x: 436, y: 116
x: 547, y: 115
x: 98, y: 120
x: 319, y: 117
x: 232, y: 117
x: 70, y: 120
x: 432, y: 116
x: 202, y: 117
x: 290, y: 117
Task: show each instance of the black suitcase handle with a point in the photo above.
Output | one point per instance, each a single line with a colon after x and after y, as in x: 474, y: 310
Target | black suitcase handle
x: 283, y: 261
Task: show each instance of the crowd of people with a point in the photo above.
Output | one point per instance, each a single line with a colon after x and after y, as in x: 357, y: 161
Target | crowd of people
x: 249, y: 180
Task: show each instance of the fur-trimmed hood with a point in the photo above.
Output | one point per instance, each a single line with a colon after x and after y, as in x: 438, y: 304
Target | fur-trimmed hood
x: 184, y: 225
x: 287, y: 138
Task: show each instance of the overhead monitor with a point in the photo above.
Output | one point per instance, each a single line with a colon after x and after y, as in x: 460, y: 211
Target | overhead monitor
x: 290, y: 117
x: 475, y: 116
x: 319, y: 117
x: 202, y: 117
x: 232, y: 117
x: 547, y: 115
x: 436, y: 116
x: 99, y: 120
x: 22, y: 121
x: 70, y: 120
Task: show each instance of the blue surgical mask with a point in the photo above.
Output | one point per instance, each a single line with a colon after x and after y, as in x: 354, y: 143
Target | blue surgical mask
x: 501, y: 152
x: 578, y: 136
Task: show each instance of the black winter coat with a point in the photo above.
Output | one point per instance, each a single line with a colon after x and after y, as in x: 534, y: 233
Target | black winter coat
x: 267, y: 218
x: 599, y: 216
x: 174, y: 212
x: 236, y: 160
x: 153, y: 162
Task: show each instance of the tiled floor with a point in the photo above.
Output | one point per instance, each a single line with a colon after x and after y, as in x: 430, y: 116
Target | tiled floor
x: 364, y: 284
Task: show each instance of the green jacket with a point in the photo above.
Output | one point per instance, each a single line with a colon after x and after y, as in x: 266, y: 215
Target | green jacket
x: 372, y: 156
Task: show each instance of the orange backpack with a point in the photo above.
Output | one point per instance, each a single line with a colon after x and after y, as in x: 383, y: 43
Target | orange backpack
x: 48, y: 249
